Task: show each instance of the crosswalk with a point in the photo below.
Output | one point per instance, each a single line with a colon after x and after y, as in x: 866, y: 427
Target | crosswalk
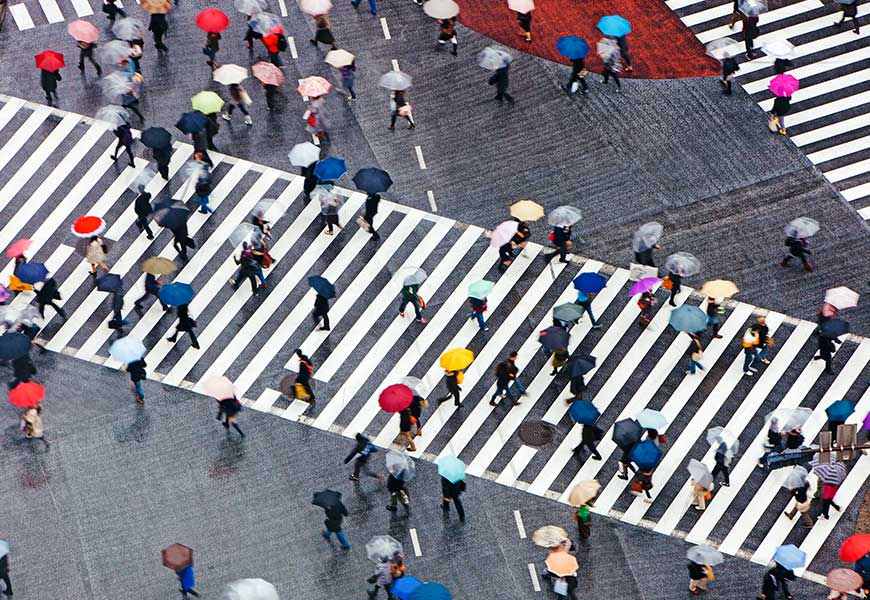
x: 28, y: 15
x: 252, y: 338
x: 830, y: 114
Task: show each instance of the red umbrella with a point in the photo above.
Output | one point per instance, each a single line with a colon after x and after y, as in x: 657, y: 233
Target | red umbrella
x: 18, y: 248
x: 212, y: 20
x: 396, y: 398
x: 49, y: 60
x: 855, y: 547
x: 27, y: 395
x: 88, y: 226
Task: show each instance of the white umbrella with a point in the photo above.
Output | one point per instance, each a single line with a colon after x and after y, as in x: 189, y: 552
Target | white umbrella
x: 395, y: 80
x: 251, y: 589
x: 4, y: 548
x: 339, y: 58
x: 721, y: 48
x: 717, y: 436
x: 796, y: 479
x: 802, y: 227
x: 842, y: 297
x: 549, y: 536
x: 700, y: 473
x: 128, y: 29
x: 315, y: 7
x: 415, y: 383
x: 229, y: 74
x: 412, y: 275
x: 779, y: 48
x: 142, y: 179
x: 400, y: 465
x: 194, y: 169
x: 115, y: 51
x: 683, y: 264
x: 382, y: 548
x: 564, y: 216
x: 304, y: 154
x: 114, y: 115
x: 521, y: 6
x: 441, y: 9
x: 752, y: 8
x: 492, y: 58
x: 244, y: 232
x: 250, y: 7
x: 705, y: 555
x: 263, y: 207
x: 647, y: 236
x: 263, y: 22
x: 651, y: 419
x: 788, y: 418
x: 502, y: 234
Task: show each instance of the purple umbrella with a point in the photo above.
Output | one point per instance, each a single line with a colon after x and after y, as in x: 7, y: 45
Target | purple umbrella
x: 643, y: 285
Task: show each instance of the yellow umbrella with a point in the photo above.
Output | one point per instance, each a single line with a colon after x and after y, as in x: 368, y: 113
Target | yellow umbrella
x: 583, y: 492
x: 157, y: 265
x: 206, y: 102
x: 549, y: 536
x: 156, y: 6
x: 719, y: 288
x: 527, y: 210
x: 562, y: 564
x: 456, y: 359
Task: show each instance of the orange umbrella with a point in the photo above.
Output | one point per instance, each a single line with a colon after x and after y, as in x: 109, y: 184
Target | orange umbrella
x: 156, y: 7
x: 562, y: 564
x: 49, y: 60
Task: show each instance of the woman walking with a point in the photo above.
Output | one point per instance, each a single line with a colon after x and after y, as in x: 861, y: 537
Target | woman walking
x: 645, y: 303
x: 525, y: 22
x: 136, y: 370
x: 238, y: 99
x: 212, y: 45
x: 86, y: 51
x: 451, y: 492
x: 478, y: 307
x: 400, y: 107
x: 406, y: 430
x: 186, y: 324
x: 33, y: 428
x: 46, y: 295
x: 781, y: 106
x: 48, y: 81
x: 447, y: 33
x: 348, y: 76
x: 452, y: 379
x: 802, y: 502
x: 303, y: 378
x: 321, y: 312
x: 97, y: 254
x: 247, y: 269
x: 229, y: 408
x: 125, y: 141
x: 612, y: 60
x: 410, y: 294
x: 577, y: 79
x: 323, y: 33
x: 695, y: 353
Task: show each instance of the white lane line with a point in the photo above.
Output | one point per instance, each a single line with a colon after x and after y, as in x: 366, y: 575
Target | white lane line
x: 385, y: 29
x: 420, y: 159
x: 533, y: 574
x: 82, y: 8
x: 395, y: 65
x: 864, y: 213
x: 265, y: 401
x: 840, y: 150
x: 23, y: 134
x: 21, y: 16
x: 857, y: 192
x: 708, y: 14
x: 304, y: 98
x: 415, y: 541
x: 848, y: 171
x: 291, y: 44
x: 815, y: 68
x: 512, y: 471
x: 283, y: 6
x: 827, y: 109
x: 520, y: 527
x: 431, y: 197
x: 51, y: 10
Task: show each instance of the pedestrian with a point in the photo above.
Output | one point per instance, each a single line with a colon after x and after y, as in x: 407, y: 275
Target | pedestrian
x: 723, y: 461
x: 781, y: 106
x: 781, y: 65
x: 152, y: 288
x: 348, y: 76
x: 270, y: 91
x: 505, y: 375
x: 130, y: 100
x: 247, y: 269
x: 211, y: 48
x: 452, y: 492
x: 501, y: 81
x: 360, y: 455
x: 849, y: 10
x: 303, y: 378
x: 583, y: 517
x: 382, y: 577
x: 136, y: 47
x: 525, y: 22
x: 212, y: 128
x: 187, y: 580
x: 589, y: 438
x: 799, y: 248
x: 762, y: 332
x: 416, y: 408
x: 186, y: 324
x: 371, y: 209
x: 714, y: 322
x: 729, y: 69
x: 202, y: 190
x: 118, y: 321
x: 23, y: 370
x: 410, y: 293
x: 272, y: 43
x: 794, y: 439
x: 400, y: 107
x: 645, y: 304
x: 200, y: 149
x: 826, y: 348
x: 622, y: 42
x: 829, y: 492
x: 86, y: 51
x: 749, y: 343
x: 46, y: 295
x: 578, y: 386
x: 157, y: 25
x: 32, y: 426
x: 48, y: 80
x: 112, y: 12
x: 452, y: 379
x: 560, y: 237
x: 584, y: 300
x: 700, y: 495
x: 315, y: 124
x: 478, y: 307
x: 612, y: 61
x: 559, y: 360
x: 698, y: 578
x: 695, y: 353
x: 262, y: 260
x: 181, y: 240
x: 775, y: 580
x: 645, y: 256
x: 97, y: 255
x: 447, y: 33
x: 625, y: 464
x: 334, y: 517
x: 4, y: 574
x: 259, y: 219
x: 323, y: 34
x: 750, y: 32
x: 673, y: 282
x: 125, y: 141
x: 309, y: 181
x: 506, y: 255
x: 802, y: 502
x: 229, y: 408
x: 238, y: 99
x: 642, y: 484
x: 136, y: 370
x: 373, y: 6
x: 162, y: 157
x: 577, y: 79
x: 321, y: 312
x: 406, y: 430
x: 143, y: 209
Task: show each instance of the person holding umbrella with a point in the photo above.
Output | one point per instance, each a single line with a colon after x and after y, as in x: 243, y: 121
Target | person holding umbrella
x: 97, y: 255
x: 324, y: 291
x: 186, y: 323
x: 626, y: 434
x: 501, y: 81
x: 454, y: 362
x: 452, y: 380
x: 478, y: 307
x: 782, y: 86
x: 611, y: 58
x: 330, y: 202
x: 303, y: 377
x: 211, y: 48
x: 86, y: 36
x: 229, y: 408
x: 136, y: 370
x: 589, y: 438
x: 831, y: 476
x: 335, y: 511
x: 798, y: 232
x: 560, y: 237
x: 694, y: 353
x: 575, y: 49
x: 179, y: 558
x: 46, y: 295
x: 524, y: 18
x: 400, y: 107
x: 701, y: 561
x: 587, y: 285
x: 410, y: 294
x: 181, y: 240
x: 247, y: 269
x: 361, y: 453
x: 49, y: 64
x: 452, y: 472
x: 644, y: 241
x: 799, y: 490
x: 505, y: 375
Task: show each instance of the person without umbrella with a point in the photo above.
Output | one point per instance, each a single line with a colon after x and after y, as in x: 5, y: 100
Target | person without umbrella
x: 186, y: 324
x: 47, y: 294
x: 505, y: 375
x: 447, y: 33
x: 361, y: 454
x: 136, y: 370
x: 323, y: 33
x: 400, y: 107
x: 142, y: 208
x: 86, y: 51
x: 125, y: 141
x: 501, y: 81
x: 181, y: 240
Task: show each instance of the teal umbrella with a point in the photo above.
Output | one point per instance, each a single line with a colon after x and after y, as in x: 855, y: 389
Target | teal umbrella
x: 480, y: 289
x: 451, y: 468
x: 690, y: 319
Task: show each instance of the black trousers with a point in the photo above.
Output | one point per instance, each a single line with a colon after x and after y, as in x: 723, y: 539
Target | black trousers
x: 561, y: 250
x: 158, y: 40
x: 5, y: 579
x: 52, y: 304
x: 241, y: 277
x: 163, y: 169
x: 720, y: 468
x: 89, y: 55
x: 317, y: 317
x: 138, y: 303
x: 128, y: 149
x: 180, y: 246
x: 142, y: 224
x: 460, y: 510
x: 452, y: 390
x: 502, y: 94
x: 590, y: 446
x: 370, y: 219
x: 608, y: 73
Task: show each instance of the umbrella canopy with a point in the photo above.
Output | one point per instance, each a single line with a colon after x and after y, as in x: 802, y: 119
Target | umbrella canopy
x: 372, y: 180
x: 206, y: 102
x: 651, y: 419
x: 304, y: 154
x: 705, y: 555
x: 789, y: 418
x: 395, y: 80
x: 572, y: 47
x: 564, y: 216
x: 716, y: 436
x: 322, y: 286
x: 415, y: 383
x: 219, y: 386
x: 173, y: 217
x: 49, y: 60
x: 796, y: 479
x: 177, y: 556
x: 790, y: 556
x: 339, y: 58
x: 834, y: 328
x: 590, y: 283
x: 441, y: 9
x: 119, y: 86
x: 480, y: 289
x: 212, y: 20
x: 865, y: 426
x: 382, y: 548
x: 31, y: 272
x: 404, y: 587
x: 395, y: 398
x: 614, y: 26
x: 315, y: 7
x: 832, y: 474
x: 627, y: 433
x: 802, y: 227
x: 83, y: 31
x: 263, y: 207
x: 607, y: 47
x: 721, y: 48
x: 230, y: 74
x: 142, y: 179
x: 400, y: 465
x: 192, y: 122
x: 580, y: 365
x: 156, y: 138
x: 14, y: 344
x: 327, y: 499
x: 568, y: 312
x: 267, y: 73
x: 779, y: 48
x: 4, y: 294
x: 313, y: 86
x: 527, y: 210
x: 553, y: 338
x: 683, y: 264
x: 840, y: 410
x: 829, y: 310
x: 110, y: 282
x: 263, y: 22
x: 719, y: 288
x: 156, y: 7
x: 842, y: 298
x: 128, y: 29
x: 451, y: 468
x: 157, y: 265
x: 330, y: 168
x: 549, y: 536
x: 688, y: 318
x: 88, y: 226
x: 115, y: 52
x: 127, y: 350
x: 584, y: 412
x: 456, y: 359
x: 27, y: 395
x: 4, y: 548
x: 647, y: 236
x: 503, y: 233
x: 700, y: 473
x: 328, y: 199
x: 752, y: 8
x: 176, y: 294
x: 583, y: 492
x: 113, y: 114
x: 646, y: 454
x: 430, y: 591
x: 561, y: 564
x: 493, y: 58
x: 521, y: 6
x: 643, y: 285
x: 251, y: 589
x: 415, y: 276
x: 855, y: 547
x: 22, y: 313
x: 843, y: 580
x: 783, y: 85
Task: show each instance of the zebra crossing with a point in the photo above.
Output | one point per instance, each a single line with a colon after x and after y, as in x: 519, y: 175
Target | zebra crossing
x: 830, y: 113
x: 27, y: 15
x: 252, y: 338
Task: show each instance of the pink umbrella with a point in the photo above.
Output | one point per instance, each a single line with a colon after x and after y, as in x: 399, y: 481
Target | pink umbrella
x: 502, y: 234
x: 18, y: 248
x: 313, y: 86
x: 83, y: 31
x: 644, y: 285
x: 783, y: 85
x: 268, y: 73
x: 396, y: 398
x: 219, y: 387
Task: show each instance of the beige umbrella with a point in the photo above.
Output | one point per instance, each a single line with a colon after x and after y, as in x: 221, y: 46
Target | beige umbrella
x: 843, y: 580
x: 521, y: 6
x: 549, y: 536
x: 842, y: 297
x: 719, y: 288
x: 583, y: 492
x: 339, y: 58
x: 527, y: 210
x: 157, y: 265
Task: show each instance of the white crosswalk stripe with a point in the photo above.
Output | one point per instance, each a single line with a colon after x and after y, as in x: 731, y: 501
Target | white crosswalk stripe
x: 251, y: 338
x: 29, y: 15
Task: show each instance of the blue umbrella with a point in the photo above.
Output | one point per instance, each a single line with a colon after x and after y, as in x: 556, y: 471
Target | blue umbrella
x: 646, y: 455
x: 614, y: 26
x: 110, y: 282
x: 176, y: 294
x: 192, y: 122
x: 31, y: 272
x: 431, y: 591
x: 590, y: 283
x: 583, y: 411
x: 790, y: 556
x: 372, y: 180
x: 572, y: 46
x: 840, y: 410
x: 322, y: 286
x: 330, y: 169
x: 451, y: 468
x: 127, y: 350
x: 688, y: 318
x: 404, y: 587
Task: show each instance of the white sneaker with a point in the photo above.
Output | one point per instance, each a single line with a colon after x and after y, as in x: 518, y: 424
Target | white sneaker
x: 249, y: 121
x: 225, y: 117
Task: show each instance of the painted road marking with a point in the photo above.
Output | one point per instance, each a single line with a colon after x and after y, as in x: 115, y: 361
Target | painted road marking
x: 520, y: 527
x: 291, y: 43
x: 385, y: 29
x: 431, y: 196
x: 415, y: 542
x: 534, y: 576
x: 420, y: 160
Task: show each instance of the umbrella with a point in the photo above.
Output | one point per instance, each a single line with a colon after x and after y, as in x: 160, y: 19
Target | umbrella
x: 88, y: 226
x: 568, y: 312
x: 606, y: 47
x: 834, y: 328
x: 177, y: 556
x: 583, y: 492
x: 643, y: 285
x: 647, y: 236
x: 688, y: 318
x: 572, y: 47
x: 451, y: 468
x: 564, y: 216
x: 415, y: 383
x: 251, y: 589
x: 721, y: 48
x: 304, y: 154
x: 646, y: 454
x: 23, y: 313
x: 382, y: 548
x: 110, y: 282
x: 705, y: 555
x: 219, y: 386
x: 553, y: 338
x: 561, y: 564
x: 581, y: 364
x: 480, y: 289
x: 779, y: 48
x: 415, y: 277
x: 115, y: 51
x: 263, y: 22
x: 700, y: 473
x: 127, y: 350
x: 441, y: 9
x: 14, y: 344
x: 322, y: 286
x: 626, y: 433
x: 549, y: 536
x: 683, y: 264
x: 176, y: 294
x: 206, y: 102
x: 404, y: 587
x: 395, y: 398
x: 716, y: 436
x: 395, y: 80
x: 262, y: 208
x: 521, y: 6
x: 49, y: 60
x: 829, y: 310
x: 267, y: 73
x: 590, y: 283
x: 651, y: 419
x: 790, y: 556
x: 372, y: 180
x: 330, y: 168
x: 31, y: 272
x: 584, y: 412
x: 796, y: 479
x: 789, y: 418
x: 327, y: 499
x: 783, y: 85
x: 212, y: 20
x: 327, y: 198
x: 128, y: 29
x: 502, y: 234
x: 339, y: 58
x: 865, y: 426
x: 841, y: 298
x: 313, y: 86
x: 230, y: 74
x: 83, y: 31
x: 400, y: 465
x: 315, y: 7
x: 840, y: 410
x: 802, y: 227
x: 832, y: 474
x: 855, y: 547
x: 27, y: 394
x: 114, y: 115
x: 430, y: 591
x: 719, y: 288
x: 173, y: 217
x: 4, y: 548
x: 752, y: 8
x: 843, y: 580
x: 456, y: 359
x: 527, y: 210
x: 250, y: 7
x: 119, y: 86
x: 614, y: 26
x: 157, y: 265
x: 192, y: 122
x: 157, y: 138
x: 492, y: 58
x: 156, y: 7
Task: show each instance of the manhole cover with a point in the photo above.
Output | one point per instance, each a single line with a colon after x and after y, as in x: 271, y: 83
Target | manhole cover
x: 536, y: 433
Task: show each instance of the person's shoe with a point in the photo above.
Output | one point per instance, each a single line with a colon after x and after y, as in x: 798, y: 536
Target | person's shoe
x: 411, y: 448
x: 748, y: 373
x: 195, y: 346
x: 225, y: 117
x: 422, y: 320
x: 138, y: 310
x: 717, y: 337
x: 391, y: 128
x: 249, y: 121
x: 353, y: 477
x: 150, y: 237
x: 492, y: 402
x: 412, y: 126
x: 623, y: 477
x: 725, y: 484
x: 171, y: 339
x: 323, y: 329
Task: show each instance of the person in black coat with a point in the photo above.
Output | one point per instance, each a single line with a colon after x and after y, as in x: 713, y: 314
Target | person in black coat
x: 4, y: 574
x: 247, y: 269
x: 136, y: 370
x: 125, y: 140
x: 158, y: 26
x: 798, y: 248
x: 372, y: 201
x: 86, y: 51
x: 152, y: 288
x: 118, y: 321
x: 577, y: 387
x: 46, y: 296
x: 776, y: 579
x: 451, y: 492
x: 200, y: 148
x: 561, y: 238
x: 590, y: 437
x: 360, y: 455
x: 721, y: 466
x: 676, y: 286
x: 851, y: 11
x: 729, y: 68
x: 22, y: 370
x: 162, y: 157
x: 398, y: 493
x: 321, y: 312
x: 501, y: 81
x: 781, y: 106
x: 212, y: 128
x: 181, y: 241
x: 525, y: 22
x: 185, y: 324
x: 750, y: 32
x: 827, y: 347
x: 228, y: 408
x: 578, y: 77
x: 112, y: 11
x: 781, y: 65
x: 505, y: 374
x: 309, y: 182
x: 303, y: 377
x: 48, y: 80
x: 453, y: 389
x: 142, y: 208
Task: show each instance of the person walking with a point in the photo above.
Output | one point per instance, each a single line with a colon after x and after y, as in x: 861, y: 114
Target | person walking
x: 645, y: 303
x: 501, y: 81
x: 673, y: 282
x: 348, y: 77
x: 505, y: 255
x: 577, y: 79
x: 211, y: 48
x: 86, y: 51
x: 612, y: 61
x: 447, y: 33
x: 112, y: 12
x: 695, y: 353
x: 136, y: 370
x: 229, y: 408
x: 361, y: 453
x: 371, y: 209
x: 714, y: 322
x: 329, y: 205
x: 723, y: 461
x: 247, y: 269
x: 4, y: 574
x: 849, y: 10
x: 776, y: 580
x: 373, y: 6
x: 451, y: 492
x: 585, y: 300
x: 321, y: 312
x: 559, y: 360
x: 162, y: 157
x: 802, y: 502
x: 750, y: 32
x: 186, y: 324
x: 698, y: 578
x: 400, y: 107
x: 560, y: 237
x: 505, y: 375
x: 410, y: 294
x: 158, y: 26
x: 323, y: 33
x: 152, y: 288
x: 762, y: 332
x: 33, y: 428
x: 700, y: 495
x: 125, y: 141
x: 642, y: 484
x: 645, y: 255
x: 48, y: 81
x: 577, y: 387
x: 23, y: 370
x: 187, y: 581
x: 181, y: 241
x: 143, y: 209
x: 781, y: 65
x: 303, y: 378
x: 828, y: 493
x: 309, y: 182
x: 729, y: 69
x: 826, y: 347
x: 525, y: 22
x: 452, y: 379
x: 589, y: 438
x: 406, y: 430
x: 398, y: 493
x: 781, y: 107
x: 212, y: 128
x: 46, y: 295
x: 118, y: 322
x: 136, y: 47
x: 478, y: 307
x: 273, y: 49
x: 97, y: 254
x: 798, y: 248
x: 334, y: 517
x: 625, y: 464
x: 238, y: 99
x: 749, y: 343
x: 382, y: 577
x: 622, y: 43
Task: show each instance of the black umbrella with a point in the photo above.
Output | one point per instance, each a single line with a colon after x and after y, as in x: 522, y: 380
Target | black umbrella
x: 110, y: 282
x: 372, y: 180
x: 173, y: 217
x: 627, y: 433
x: 553, y: 338
x: 834, y: 328
x: 327, y: 499
x: 156, y: 138
x: 192, y: 122
x: 580, y: 365
x: 14, y: 344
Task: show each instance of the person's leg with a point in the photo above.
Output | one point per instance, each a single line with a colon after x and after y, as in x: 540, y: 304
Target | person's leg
x: 193, y: 341
x: 261, y: 275
x: 140, y: 392
x: 393, y: 119
x: 460, y: 510
x: 807, y: 519
x: 325, y: 322
x: 129, y: 149
x: 481, y: 323
x: 342, y: 539
x: 118, y: 147
x: 455, y: 392
x: 8, y: 583
x: 253, y: 279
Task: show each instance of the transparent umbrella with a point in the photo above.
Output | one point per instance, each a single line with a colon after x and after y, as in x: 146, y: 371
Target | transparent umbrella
x: 700, y: 473
x: 492, y: 58
x: 117, y: 85
x: 113, y: 114
x: 400, y: 465
x: 17, y: 314
x: 263, y: 22
x: 752, y: 8
x: 128, y: 29
x: 683, y: 264
x: 796, y: 479
x: 315, y: 7
x: 606, y: 47
x: 115, y: 51
x: 716, y: 436
x: 779, y: 48
x: 413, y: 275
x: 721, y: 48
x: 382, y: 548
x: 441, y: 9
x: 415, y: 383
x: 647, y: 236
x: 250, y: 7
x: 267, y: 205
x: 142, y: 179
x: 802, y: 227
x: 194, y: 169
x: 251, y: 589
x: 564, y: 216
x: 705, y: 555
x: 244, y: 232
x: 304, y: 154
x: 788, y: 418
x: 395, y: 80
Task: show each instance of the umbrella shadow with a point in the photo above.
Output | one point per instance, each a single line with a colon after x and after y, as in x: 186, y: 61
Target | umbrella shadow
x: 232, y: 453
x: 136, y: 430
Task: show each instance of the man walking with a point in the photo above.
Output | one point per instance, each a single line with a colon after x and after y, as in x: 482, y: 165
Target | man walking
x: 321, y: 312
x: 500, y: 80
x: 142, y: 208
x: 505, y: 374
x: 589, y: 439
x: 372, y: 201
x: 360, y: 455
x: 152, y: 288
x: 334, y: 517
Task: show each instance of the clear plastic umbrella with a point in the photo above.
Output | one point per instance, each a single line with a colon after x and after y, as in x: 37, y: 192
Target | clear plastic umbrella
x: 302, y: 155
x: 802, y: 227
x: 549, y: 536
x: 494, y: 57
x: 752, y: 8
x: 721, y: 48
x: 779, y: 48
x: 315, y: 7
x: 700, y: 473
x: 651, y: 419
x: 18, y: 314
x: 415, y: 383
x: 413, y: 275
x: 142, y: 179
x: 229, y: 74
x: 716, y: 436
x: 263, y: 207
x: 194, y: 169
x: 606, y: 47
x: 245, y: 232
x: 400, y: 465
x: 683, y: 264
x: 251, y: 589
x: 796, y: 479
x: 647, y: 236
x: 842, y: 297
x: 113, y: 114
x: 395, y: 80
x: 382, y: 548
x: 705, y: 555
x: 128, y: 29
x: 116, y: 85
x: 521, y: 6
x: 564, y: 216
x: 115, y: 51
x: 263, y: 22
x: 250, y: 7
x: 788, y: 418
x: 328, y: 199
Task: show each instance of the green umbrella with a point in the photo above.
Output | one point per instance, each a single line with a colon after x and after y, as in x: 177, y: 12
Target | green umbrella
x: 569, y: 312
x: 206, y: 102
x: 480, y: 289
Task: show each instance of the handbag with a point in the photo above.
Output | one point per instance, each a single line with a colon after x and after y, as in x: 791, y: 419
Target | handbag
x: 267, y: 260
x: 708, y: 570
x: 405, y: 110
x: 667, y: 283
x: 363, y: 224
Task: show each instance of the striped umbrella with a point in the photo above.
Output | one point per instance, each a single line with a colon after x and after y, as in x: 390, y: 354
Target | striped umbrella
x: 832, y: 474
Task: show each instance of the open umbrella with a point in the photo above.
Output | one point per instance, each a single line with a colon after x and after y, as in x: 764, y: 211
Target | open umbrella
x: 219, y: 387
x: 834, y: 328
x: 88, y: 226
x: 718, y: 288
x: 304, y: 154
x: 564, y: 216
x: 614, y: 26
x: 549, y: 536
x: 752, y: 8
x: 177, y: 556
x: 584, y: 412
x: 480, y: 289
x: 400, y: 465
x: 441, y: 9
x: 110, y: 282
x: 842, y: 298
x: 263, y: 22
x: 157, y: 265
x: 230, y: 74
x: 339, y: 58
x: 590, y: 283
x: 372, y: 180
x: 561, y: 564
x: 395, y: 80
x: 330, y: 168
x: 583, y: 492
x: 840, y: 410
x: 142, y: 179
x: 626, y: 433
x: 49, y: 60
x: 315, y: 7
x: 705, y: 555
x: 22, y: 313
x: 322, y: 286
x: 580, y: 365
x: 156, y: 138
x: 313, y: 86
x: 172, y: 217
x: 14, y: 344
x: 521, y: 6
x: 527, y: 210
x: 404, y: 587
x: 4, y: 294
x: 382, y: 548
x: 832, y: 474
x: 865, y: 426
x: 790, y: 556
x: 700, y: 473
x: 716, y: 436
x: 27, y: 394
x: 31, y: 272
x: 802, y: 227
x: 647, y: 236
x: 212, y: 20
x: 843, y: 580
x: 643, y: 285
x: 128, y: 29
x: 267, y: 73
x: 206, y: 102
x: 607, y: 47
x: 651, y: 419
x: 572, y: 47
x: 553, y: 338
x: 688, y: 318
x: 779, y: 48
x: 568, y: 312
x: 783, y: 85
x: 683, y: 264
x: 328, y: 199
x: 395, y: 398
x: 127, y: 350
x: 431, y: 590
x: 855, y: 547
x: 492, y: 58
x: 83, y: 31
x: 327, y: 499
x: 176, y: 294
x: 451, y: 468
x: 115, y: 52
x: 789, y: 418
x: 721, y: 48
x: 646, y: 454
x: 456, y: 359
x: 413, y: 276
x: 503, y: 233
x: 156, y: 7
x: 796, y: 479
x: 113, y: 114
x: 251, y: 589
x: 415, y: 383
x: 119, y: 86
x: 192, y: 122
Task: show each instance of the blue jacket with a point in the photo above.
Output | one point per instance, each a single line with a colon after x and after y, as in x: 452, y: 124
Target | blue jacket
x: 187, y: 578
